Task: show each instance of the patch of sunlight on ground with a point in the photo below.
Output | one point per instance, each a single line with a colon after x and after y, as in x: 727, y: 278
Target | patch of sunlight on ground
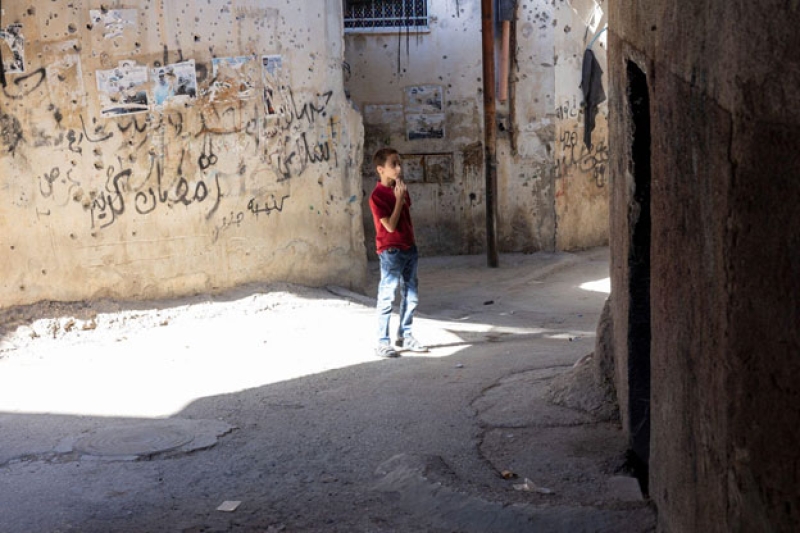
x: 158, y: 371
x: 601, y: 285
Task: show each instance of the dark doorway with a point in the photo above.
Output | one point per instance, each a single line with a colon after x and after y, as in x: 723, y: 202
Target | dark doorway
x: 639, y: 271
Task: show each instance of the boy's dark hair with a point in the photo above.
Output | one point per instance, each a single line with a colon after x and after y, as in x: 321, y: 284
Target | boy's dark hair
x: 380, y: 157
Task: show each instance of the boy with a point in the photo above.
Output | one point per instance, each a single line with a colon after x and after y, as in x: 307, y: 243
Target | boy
x: 394, y: 240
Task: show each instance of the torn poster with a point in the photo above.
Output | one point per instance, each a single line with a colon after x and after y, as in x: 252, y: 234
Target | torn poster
x: 425, y: 126
x: 113, y: 22
x: 123, y: 90
x: 233, y: 78
x: 273, y: 98
x: 13, y: 44
x: 424, y: 99
x: 174, y: 84
x: 64, y: 74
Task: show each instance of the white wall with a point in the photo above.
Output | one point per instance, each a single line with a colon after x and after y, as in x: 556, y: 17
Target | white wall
x: 197, y: 195
x: 543, y: 202
x: 582, y: 190
x: 448, y: 215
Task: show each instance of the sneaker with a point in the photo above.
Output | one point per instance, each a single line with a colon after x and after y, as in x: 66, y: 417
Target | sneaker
x: 411, y: 344
x: 386, y: 351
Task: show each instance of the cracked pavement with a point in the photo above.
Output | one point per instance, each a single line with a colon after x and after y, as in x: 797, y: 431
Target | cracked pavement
x: 134, y: 417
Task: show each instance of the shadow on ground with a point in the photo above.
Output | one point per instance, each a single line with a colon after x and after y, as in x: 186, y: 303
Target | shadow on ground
x: 351, y: 443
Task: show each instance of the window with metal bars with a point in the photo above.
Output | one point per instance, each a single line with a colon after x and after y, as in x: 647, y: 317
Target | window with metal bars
x: 385, y: 15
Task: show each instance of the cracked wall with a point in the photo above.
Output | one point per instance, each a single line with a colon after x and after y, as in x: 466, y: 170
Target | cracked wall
x: 581, y: 169
x: 163, y: 148
x: 548, y: 192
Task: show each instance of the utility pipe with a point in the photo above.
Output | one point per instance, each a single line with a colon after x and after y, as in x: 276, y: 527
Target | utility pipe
x: 490, y: 131
x: 505, y: 52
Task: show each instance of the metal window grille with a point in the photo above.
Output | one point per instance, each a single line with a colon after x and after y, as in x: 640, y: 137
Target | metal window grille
x: 366, y: 15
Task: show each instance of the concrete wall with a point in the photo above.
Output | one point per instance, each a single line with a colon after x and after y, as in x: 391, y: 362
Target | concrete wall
x: 193, y: 192
x: 449, y: 206
x: 581, y: 170
x: 724, y: 267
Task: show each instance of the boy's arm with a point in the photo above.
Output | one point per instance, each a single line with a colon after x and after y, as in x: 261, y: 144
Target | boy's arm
x: 390, y: 222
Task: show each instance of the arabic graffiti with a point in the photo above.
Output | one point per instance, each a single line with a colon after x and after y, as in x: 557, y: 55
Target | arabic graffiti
x: 270, y: 205
x: 573, y: 155
x: 183, y: 192
x: 148, y: 174
x: 291, y: 151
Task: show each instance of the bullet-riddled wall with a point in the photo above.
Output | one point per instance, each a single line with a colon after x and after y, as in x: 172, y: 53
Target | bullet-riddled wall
x: 551, y: 189
x: 420, y: 92
x: 156, y: 148
x: 582, y: 190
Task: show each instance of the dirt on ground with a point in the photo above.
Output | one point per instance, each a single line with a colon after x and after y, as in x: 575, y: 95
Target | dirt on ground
x: 264, y: 409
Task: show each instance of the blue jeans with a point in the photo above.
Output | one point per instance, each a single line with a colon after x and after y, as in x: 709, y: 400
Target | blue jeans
x: 398, y: 268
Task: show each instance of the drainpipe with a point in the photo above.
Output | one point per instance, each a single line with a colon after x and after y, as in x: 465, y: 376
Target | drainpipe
x: 505, y: 13
x: 490, y: 130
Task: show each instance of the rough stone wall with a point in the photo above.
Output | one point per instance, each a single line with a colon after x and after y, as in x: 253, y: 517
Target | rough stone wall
x: 449, y: 207
x: 156, y: 148
x: 445, y: 174
x: 725, y: 271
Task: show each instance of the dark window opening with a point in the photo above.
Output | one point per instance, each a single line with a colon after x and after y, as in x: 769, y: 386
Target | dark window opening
x: 639, y: 332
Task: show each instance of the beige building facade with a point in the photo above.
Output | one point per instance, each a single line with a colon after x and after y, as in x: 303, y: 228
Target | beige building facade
x: 420, y: 89
x: 156, y: 148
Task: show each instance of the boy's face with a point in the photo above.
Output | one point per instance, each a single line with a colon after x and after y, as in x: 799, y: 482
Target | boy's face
x: 391, y: 171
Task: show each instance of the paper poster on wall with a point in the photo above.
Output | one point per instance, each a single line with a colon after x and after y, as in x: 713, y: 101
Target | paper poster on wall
x: 113, y: 22
x: 424, y: 99
x: 174, y: 84
x: 425, y: 126
x: 273, y: 99
x: 123, y: 90
x: 12, y: 45
x: 233, y: 78
x: 64, y: 74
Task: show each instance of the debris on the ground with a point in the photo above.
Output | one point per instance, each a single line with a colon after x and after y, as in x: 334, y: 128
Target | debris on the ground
x: 460, y: 365
x: 229, y: 506
x: 69, y: 325
x: 488, y: 302
x: 508, y: 474
x: 92, y: 324
x: 530, y: 486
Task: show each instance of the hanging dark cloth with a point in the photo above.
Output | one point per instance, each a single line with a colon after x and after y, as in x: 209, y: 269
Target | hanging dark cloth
x: 593, y: 93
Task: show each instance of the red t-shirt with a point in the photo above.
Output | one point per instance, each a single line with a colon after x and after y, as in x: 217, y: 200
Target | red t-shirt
x: 382, y: 202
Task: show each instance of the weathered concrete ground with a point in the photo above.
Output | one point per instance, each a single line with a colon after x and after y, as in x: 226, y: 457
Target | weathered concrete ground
x: 136, y: 417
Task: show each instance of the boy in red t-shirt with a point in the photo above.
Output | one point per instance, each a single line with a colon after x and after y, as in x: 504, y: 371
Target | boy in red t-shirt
x: 394, y: 240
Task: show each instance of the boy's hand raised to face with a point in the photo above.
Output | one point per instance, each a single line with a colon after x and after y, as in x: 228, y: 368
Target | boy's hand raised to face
x: 400, y: 190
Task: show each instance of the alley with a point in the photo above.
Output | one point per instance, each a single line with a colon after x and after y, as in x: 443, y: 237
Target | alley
x: 133, y: 418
